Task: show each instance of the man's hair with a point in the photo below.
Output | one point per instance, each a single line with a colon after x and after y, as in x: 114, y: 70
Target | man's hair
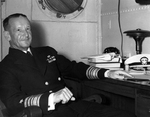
x: 6, y: 20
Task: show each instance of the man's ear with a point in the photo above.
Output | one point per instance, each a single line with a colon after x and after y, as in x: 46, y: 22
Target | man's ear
x: 7, y: 35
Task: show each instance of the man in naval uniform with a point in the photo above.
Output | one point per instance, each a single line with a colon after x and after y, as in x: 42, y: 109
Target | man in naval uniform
x: 33, y: 77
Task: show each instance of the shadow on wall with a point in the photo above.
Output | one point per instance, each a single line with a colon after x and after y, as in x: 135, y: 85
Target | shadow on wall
x: 38, y: 35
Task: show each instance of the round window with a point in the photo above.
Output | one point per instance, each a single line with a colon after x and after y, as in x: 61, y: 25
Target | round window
x: 62, y: 9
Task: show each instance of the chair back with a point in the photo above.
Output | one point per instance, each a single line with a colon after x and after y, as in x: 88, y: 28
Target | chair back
x: 3, y: 110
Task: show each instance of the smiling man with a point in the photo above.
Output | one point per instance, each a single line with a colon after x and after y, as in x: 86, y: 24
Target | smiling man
x: 38, y: 80
x: 18, y: 33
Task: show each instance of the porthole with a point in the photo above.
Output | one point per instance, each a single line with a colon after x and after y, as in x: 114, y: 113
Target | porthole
x: 62, y: 9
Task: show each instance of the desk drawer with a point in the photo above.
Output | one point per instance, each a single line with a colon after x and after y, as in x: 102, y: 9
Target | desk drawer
x: 143, y: 105
x: 114, y: 88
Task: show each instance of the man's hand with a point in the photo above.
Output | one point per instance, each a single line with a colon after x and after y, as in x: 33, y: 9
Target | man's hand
x: 63, y: 95
x: 118, y: 74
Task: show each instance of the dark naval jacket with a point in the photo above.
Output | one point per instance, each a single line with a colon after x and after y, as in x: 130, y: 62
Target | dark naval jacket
x: 23, y: 76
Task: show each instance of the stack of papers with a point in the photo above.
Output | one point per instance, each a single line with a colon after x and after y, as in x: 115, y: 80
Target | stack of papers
x: 108, y: 60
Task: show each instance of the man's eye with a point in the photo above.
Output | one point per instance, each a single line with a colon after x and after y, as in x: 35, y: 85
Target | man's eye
x: 28, y: 29
x: 18, y: 30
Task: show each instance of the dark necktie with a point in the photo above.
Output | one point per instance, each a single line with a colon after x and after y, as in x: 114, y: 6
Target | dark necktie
x: 31, y: 58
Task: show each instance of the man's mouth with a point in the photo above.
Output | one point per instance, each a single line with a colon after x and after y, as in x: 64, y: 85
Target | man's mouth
x: 25, y: 39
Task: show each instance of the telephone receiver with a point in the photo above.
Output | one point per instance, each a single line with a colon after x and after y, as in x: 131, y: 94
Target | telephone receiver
x: 138, y: 63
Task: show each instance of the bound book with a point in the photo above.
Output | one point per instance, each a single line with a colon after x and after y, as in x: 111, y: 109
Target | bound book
x: 106, y: 64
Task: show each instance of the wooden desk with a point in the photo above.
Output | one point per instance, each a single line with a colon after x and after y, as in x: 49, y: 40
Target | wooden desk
x: 129, y: 96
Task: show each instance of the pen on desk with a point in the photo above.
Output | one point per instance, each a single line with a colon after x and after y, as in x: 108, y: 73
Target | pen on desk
x: 137, y: 79
x: 127, y: 78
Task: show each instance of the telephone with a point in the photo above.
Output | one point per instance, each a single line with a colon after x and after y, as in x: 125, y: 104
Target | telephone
x: 138, y: 64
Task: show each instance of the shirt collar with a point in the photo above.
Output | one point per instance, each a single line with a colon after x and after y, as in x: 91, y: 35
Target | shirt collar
x: 28, y: 50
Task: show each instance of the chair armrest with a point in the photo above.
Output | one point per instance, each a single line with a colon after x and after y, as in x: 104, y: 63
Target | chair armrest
x: 32, y: 111
x: 98, y: 98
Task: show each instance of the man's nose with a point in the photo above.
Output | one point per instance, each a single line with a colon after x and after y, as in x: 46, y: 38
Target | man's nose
x: 25, y: 33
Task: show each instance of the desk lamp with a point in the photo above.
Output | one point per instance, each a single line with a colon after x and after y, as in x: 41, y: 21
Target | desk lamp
x: 138, y: 35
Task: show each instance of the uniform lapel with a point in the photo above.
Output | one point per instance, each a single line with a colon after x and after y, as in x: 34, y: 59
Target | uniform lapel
x: 25, y: 60
x: 21, y: 58
x: 40, y: 60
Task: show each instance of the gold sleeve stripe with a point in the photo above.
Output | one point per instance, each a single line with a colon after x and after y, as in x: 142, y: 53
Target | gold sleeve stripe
x: 92, y: 72
x: 28, y: 102
x: 38, y: 100
x: 33, y: 100
x: 25, y: 102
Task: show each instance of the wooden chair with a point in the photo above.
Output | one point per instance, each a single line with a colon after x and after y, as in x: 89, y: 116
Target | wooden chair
x: 27, y: 112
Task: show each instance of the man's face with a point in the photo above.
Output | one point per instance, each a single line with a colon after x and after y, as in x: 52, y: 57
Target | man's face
x: 19, y: 31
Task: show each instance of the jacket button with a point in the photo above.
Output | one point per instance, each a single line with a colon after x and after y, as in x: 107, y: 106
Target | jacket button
x: 46, y: 83
x: 59, y: 78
